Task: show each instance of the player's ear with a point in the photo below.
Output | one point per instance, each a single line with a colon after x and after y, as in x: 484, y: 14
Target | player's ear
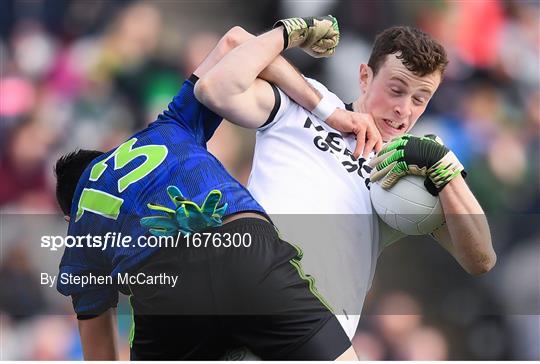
x: 365, y: 77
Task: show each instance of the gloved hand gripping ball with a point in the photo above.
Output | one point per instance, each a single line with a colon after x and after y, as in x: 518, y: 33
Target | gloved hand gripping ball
x: 422, y: 156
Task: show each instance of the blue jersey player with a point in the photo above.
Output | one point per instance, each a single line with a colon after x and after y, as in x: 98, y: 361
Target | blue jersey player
x: 254, y: 295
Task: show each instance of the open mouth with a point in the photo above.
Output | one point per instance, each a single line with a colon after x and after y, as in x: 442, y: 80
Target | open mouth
x: 394, y: 124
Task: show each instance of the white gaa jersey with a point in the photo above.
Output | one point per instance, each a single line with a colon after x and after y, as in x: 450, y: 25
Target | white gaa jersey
x: 305, y: 177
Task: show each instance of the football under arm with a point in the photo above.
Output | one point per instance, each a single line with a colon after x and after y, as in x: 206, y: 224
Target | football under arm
x: 99, y: 336
x: 466, y: 234
x: 237, y: 85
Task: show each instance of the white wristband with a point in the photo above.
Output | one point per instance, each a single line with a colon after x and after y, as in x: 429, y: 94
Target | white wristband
x: 324, y: 109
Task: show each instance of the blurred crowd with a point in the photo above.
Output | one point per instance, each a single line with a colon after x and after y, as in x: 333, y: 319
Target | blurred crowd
x: 88, y: 74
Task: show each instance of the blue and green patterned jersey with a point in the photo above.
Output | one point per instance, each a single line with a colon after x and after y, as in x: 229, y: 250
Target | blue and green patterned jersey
x: 113, y: 192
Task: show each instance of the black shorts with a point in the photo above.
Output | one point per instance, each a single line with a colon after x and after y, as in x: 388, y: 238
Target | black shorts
x: 256, y: 296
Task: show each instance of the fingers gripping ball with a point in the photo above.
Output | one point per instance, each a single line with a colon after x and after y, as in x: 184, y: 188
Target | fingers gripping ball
x: 187, y: 217
x: 317, y: 36
x: 408, y: 206
x: 422, y: 156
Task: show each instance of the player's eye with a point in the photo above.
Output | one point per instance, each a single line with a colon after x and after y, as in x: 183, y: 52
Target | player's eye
x: 396, y: 91
x: 419, y: 100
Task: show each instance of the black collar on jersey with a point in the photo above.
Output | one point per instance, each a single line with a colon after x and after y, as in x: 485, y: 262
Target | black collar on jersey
x: 349, y: 107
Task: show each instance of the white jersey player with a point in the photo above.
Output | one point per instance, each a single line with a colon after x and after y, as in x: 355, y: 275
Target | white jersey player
x: 305, y: 176
x: 303, y: 166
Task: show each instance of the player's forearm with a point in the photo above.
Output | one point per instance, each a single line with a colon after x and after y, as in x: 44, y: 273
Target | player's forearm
x: 98, y: 337
x: 468, y: 228
x: 282, y: 74
x: 237, y: 71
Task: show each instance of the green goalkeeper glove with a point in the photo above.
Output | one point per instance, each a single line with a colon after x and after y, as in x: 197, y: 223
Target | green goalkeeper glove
x: 187, y: 217
x: 317, y: 36
x: 422, y: 156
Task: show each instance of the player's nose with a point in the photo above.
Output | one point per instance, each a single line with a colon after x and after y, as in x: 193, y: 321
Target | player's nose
x: 403, y: 109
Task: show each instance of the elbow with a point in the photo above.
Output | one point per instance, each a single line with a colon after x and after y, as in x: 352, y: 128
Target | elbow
x: 234, y: 37
x: 205, y: 93
x: 203, y: 90
x: 483, y: 264
x: 208, y: 93
x: 214, y: 87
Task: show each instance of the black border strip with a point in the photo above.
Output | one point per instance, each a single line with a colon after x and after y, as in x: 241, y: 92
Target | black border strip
x: 193, y: 78
x: 277, y: 104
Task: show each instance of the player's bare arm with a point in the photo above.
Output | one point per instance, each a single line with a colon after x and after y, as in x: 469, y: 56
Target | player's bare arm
x: 231, y: 87
x: 279, y: 72
x: 99, y: 336
x: 466, y: 234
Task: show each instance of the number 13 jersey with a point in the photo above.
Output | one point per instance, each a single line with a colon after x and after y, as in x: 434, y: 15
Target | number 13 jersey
x: 114, y: 190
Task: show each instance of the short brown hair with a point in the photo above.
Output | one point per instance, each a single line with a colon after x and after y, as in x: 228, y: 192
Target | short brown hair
x: 420, y: 53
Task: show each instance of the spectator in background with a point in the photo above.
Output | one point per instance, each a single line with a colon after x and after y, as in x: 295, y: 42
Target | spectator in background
x: 20, y: 296
x: 23, y: 166
x: 397, y: 332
